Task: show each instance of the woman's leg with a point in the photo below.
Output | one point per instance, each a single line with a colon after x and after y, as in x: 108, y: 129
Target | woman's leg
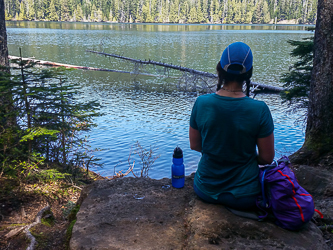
x: 203, y: 196
x: 229, y: 200
x: 243, y: 203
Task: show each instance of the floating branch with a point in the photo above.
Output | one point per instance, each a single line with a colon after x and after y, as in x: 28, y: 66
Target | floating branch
x: 262, y: 87
x: 257, y: 86
x: 55, y: 64
x: 166, y: 65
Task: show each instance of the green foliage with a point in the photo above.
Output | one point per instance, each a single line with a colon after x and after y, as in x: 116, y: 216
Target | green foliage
x: 297, y: 80
x: 43, y: 121
x: 48, y: 219
x: 36, y: 132
x: 167, y: 11
x: 68, y: 208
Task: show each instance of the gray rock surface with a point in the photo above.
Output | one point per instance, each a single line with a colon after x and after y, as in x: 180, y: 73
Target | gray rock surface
x: 142, y: 213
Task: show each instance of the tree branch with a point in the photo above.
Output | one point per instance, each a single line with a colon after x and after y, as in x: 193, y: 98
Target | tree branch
x: 263, y: 87
x: 37, y: 221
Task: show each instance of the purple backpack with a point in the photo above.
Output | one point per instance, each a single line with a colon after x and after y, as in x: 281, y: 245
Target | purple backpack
x: 291, y: 204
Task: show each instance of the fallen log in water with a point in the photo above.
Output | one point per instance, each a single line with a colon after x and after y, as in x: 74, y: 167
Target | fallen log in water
x: 263, y: 87
x: 55, y: 64
x: 258, y: 86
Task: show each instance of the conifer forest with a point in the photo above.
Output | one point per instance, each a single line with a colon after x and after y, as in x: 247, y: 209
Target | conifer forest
x: 164, y: 11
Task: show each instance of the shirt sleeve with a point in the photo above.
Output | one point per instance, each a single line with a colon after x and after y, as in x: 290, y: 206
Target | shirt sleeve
x: 266, y: 123
x: 193, y: 122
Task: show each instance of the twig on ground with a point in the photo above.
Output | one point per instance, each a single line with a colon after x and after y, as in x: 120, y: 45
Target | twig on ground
x: 75, y: 185
x: 37, y: 221
x: 120, y: 174
x: 128, y: 160
x: 14, y: 232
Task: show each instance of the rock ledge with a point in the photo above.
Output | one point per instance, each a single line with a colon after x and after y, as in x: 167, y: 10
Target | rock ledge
x: 142, y: 213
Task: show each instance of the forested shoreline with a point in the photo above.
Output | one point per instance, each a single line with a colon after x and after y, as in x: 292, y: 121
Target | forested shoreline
x: 164, y: 11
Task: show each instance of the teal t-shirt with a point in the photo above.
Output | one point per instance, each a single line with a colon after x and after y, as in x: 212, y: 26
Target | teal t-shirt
x: 229, y: 129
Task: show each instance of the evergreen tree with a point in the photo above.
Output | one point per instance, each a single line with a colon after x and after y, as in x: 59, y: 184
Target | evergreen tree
x: 53, y: 16
x: 237, y: 13
x: 51, y: 117
x: 174, y: 11
x: 265, y: 13
x: 184, y: 11
x: 8, y: 17
x: 297, y: 80
x: 93, y: 14
x: 200, y: 16
x: 31, y: 10
x: 193, y: 15
x: 64, y: 10
x: 318, y: 144
x: 22, y: 16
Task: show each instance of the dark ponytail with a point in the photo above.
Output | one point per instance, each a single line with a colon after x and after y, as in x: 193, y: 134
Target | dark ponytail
x: 224, y: 77
x: 248, y: 81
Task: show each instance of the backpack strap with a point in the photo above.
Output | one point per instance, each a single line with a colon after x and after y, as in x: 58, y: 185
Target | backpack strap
x: 262, y: 182
x: 262, y: 204
x: 320, y: 214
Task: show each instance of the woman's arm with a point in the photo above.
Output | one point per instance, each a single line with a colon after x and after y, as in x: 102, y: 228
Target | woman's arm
x: 266, y: 149
x: 195, y: 139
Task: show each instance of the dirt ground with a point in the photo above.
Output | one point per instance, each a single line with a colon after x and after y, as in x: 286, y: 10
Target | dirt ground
x: 19, y: 206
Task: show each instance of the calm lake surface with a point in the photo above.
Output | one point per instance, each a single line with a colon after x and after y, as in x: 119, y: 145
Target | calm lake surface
x: 150, y: 109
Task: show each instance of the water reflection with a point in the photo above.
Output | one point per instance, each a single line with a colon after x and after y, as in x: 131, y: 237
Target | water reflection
x: 153, y: 27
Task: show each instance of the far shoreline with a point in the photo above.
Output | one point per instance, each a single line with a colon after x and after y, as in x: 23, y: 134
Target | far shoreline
x: 280, y: 23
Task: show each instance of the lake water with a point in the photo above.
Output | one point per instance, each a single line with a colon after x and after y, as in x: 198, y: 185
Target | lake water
x: 149, y: 109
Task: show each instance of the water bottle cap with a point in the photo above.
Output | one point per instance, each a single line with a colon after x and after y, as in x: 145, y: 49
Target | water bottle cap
x: 177, y: 153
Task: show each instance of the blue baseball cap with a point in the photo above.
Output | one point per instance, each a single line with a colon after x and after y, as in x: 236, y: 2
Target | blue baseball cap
x: 237, y: 53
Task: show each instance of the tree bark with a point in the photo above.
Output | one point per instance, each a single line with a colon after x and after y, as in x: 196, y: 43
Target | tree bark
x: 318, y: 145
x: 3, y: 37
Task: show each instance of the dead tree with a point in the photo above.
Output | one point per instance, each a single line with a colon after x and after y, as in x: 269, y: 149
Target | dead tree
x: 258, y: 86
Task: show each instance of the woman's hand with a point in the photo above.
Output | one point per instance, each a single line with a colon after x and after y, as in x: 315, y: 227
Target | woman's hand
x: 195, y: 139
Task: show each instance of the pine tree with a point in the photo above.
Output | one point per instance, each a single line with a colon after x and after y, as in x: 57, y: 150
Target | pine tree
x: 22, y: 16
x: 193, y: 15
x: 174, y: 8
x: 238, y: 13
x: 8, y: 17
x: 200, y: 15
x: 297, y: 80
x: 40, y: 6
x: 64, y: 10
x: 184, y: 11
x: 31, y: 10
x: 53, y: 16
x: 51, y: 117
x: 79, y: 13
x: 265, y: 13
x: 93, y: 14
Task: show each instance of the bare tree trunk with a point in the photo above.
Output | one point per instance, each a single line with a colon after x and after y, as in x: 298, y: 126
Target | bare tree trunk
x: 3, y: 37
x: 318, y: 145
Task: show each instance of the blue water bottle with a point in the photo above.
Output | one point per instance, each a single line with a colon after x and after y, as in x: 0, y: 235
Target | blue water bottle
x: 178, y: 169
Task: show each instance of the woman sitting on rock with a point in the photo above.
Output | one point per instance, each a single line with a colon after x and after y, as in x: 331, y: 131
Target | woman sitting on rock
x: 226, y: 127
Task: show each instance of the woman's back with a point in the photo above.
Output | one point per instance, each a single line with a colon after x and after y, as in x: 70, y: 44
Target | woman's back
x: 226, y: 127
